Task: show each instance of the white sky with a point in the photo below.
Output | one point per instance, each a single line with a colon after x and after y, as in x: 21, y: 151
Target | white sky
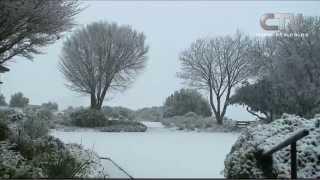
x: 170, y: 27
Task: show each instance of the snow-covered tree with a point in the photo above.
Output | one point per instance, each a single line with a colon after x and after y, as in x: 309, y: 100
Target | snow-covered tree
x: 3, y: 100
x: 18, y: 100
x: 216, y: 65
x: 291, y: 62
x: 184, y: 101
x: 263, y: 99
x: 102, y: 57
x: 27, y: 25
x: 52, y: 106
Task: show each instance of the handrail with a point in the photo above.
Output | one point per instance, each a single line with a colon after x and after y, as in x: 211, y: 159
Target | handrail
x: 107, y: 158
x: 295, y: 137
x: 293, y: 150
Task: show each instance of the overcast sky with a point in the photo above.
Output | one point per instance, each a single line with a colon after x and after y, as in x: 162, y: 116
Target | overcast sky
x: 170, y: 27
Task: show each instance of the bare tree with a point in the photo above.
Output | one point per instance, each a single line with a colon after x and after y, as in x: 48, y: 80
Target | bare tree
x: 217, y: 65
x: 27, y: 25
x: 102, y: 57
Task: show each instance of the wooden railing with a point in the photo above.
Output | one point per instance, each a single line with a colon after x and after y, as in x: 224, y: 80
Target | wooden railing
x: 292, y: 141
x: 242, y: 124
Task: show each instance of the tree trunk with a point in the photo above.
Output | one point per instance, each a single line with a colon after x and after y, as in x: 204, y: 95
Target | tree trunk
x: 211, y: 100
x: 94, y: 104
x: 102, y: 96
x: 216, y: 112
x: 99, y: 106
x: 219, y: 119
x: 100, y: 100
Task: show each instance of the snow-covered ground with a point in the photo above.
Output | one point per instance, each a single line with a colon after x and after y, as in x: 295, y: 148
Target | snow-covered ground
x: 159, y: 152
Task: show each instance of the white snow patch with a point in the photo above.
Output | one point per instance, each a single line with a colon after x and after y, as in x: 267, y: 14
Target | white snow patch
x: 159, y: 152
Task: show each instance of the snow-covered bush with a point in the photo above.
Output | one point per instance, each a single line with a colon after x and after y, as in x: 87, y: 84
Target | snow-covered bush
x: 15, y: 117
x: 4, y: 129
x: 57, y: 161
x: 18, y: 100
x: 51, y: 106
x: 92, y: 167
x: 45, y: 114
x: 244, y: 159
x: 3, y: 100
x: 13, y: 165
x: 189, y: 121
x: 192, y: 121
x: 153, y: 114
x: 27, y: 151
x: 12, y: 114
x: 34, y: 125
x: 63, y: 118
x: 118, y: 112
x: 52, y: 157
x: 88, y: 118
x: 184, y: 101
x: 124, y: 126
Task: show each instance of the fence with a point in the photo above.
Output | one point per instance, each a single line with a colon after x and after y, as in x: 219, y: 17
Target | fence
x: 243, y: 124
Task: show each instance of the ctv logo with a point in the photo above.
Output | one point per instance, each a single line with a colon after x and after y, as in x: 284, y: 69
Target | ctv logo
x: 281, y: 19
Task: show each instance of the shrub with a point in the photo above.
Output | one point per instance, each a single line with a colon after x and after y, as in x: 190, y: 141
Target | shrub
x: 50, y: 155
x: 29, y: 152
x: 23, y: 144
x: 90, y: 162
x: 18, y: 100
x: 63, y: 119
x: 88, y: 118
x: 4, y: 130
x: 59, y: 164
x: 45, y: 114
x: 16, y: 116
x: 119, y: 113
x: 153, y: 114
x: 12, y: 114
x: 34, y: 126
x: 13, y: 165
x: 243, y: 160
x: 184, y: 101
x: 3, y: 100
x: 57, y: 161
x: 124, y: 126
x: 192, y: 121
x: 51, y: 106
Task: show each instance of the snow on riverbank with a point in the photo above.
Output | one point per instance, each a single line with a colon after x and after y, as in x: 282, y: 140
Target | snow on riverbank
x: 159, y: 152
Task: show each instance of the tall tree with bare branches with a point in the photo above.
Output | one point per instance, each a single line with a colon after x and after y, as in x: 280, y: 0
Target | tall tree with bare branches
x: 216, y: 65
x: 27, y: 25
x: 102, y: 57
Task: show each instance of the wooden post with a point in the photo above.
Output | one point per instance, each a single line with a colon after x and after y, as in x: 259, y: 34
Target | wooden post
x: 293, y: 160
x: 292, y: 141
